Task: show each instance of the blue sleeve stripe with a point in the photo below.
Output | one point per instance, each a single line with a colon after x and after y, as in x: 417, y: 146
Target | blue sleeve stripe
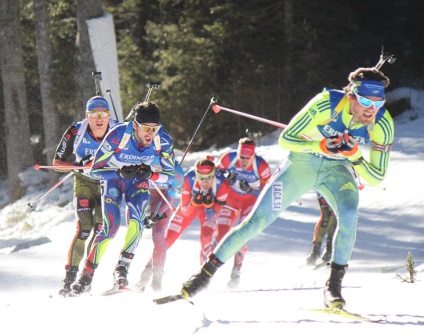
x: 387, y: 130
x: 374, y: 172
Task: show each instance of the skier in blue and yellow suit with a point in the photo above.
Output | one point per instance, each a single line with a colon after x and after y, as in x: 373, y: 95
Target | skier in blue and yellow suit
x: 123, y: 162
x: 335, y: 122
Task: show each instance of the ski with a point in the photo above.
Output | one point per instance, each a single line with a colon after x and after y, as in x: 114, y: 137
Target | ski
x: 320, y: 264
x: 171, y: 298
x: 354, y: 316
x: 118, y: 289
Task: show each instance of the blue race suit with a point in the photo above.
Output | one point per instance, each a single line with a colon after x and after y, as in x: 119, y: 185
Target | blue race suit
x: 121, y: 148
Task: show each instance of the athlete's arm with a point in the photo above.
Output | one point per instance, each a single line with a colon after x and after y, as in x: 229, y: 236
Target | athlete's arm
x: 374, y: 171
x: 102, y: 156
x: 65, y: 149
x: 305, y: 122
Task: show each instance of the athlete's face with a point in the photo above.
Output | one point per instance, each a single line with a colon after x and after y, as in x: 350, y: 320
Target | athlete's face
x: 245, y: 161
x: 362, y: 114
x: 98, y: 119
x: 145, y: 132
x: 205, y: 184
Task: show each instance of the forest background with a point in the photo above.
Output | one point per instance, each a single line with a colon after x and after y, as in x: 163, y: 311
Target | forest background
x: 266, y: 58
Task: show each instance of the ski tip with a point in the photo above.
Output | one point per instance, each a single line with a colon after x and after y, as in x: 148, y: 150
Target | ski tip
x: 339, y: 311
x: 36, y: 166
x: 167, y: 299
x: 171, y: 298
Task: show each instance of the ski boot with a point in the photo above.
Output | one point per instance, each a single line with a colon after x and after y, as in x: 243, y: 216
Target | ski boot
x: 83, y: 285
x: 121, y: 269
x: 333, y: 287
x: 327, y: 252
x: 315, y: 254
x: 234, y: 281
x: 201, y: 280
x: 120, y: 274
x: 145, y: 276
x: 70, y: 277
x: 157, y: 280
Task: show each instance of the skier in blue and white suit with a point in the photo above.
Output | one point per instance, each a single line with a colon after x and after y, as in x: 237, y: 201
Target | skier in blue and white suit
x: 123, y: 161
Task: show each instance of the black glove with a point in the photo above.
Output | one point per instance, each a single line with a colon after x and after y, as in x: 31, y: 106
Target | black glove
x: 149, y: 222
x: 349, y: 145
x: 232, y: 178
x: 207, y: 200
x: 144, y: 172
x: 331, y: 145
x: 84, y: 160
x: 87, y: 160
x: 244, y: 186
x: 135, y: 171
x: 128, y: 172
x: 196, y: 200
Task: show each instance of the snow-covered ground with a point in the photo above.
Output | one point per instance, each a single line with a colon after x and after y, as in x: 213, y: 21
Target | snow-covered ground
x: 276, y: 288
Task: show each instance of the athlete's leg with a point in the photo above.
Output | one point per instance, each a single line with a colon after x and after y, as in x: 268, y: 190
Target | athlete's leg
x: 295, y: 177
x: 225, y: 221
x: 84, y: 203
x: 137, y: 198
x: 111, y: 200
x: 177, y: 226
x: 331, y: 228
x: 320, y: 230
x: 207, y: 230
x: 158, y: 233
x: 298, y: 175
x: 341, y: 192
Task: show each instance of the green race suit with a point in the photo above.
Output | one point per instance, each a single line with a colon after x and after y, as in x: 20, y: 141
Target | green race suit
x: 307, y: 168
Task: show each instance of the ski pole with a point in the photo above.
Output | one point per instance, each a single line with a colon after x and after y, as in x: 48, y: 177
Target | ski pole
x: 213, y: 101
x: 151, y: 85
x: 38, y: 167
x: 97, y: 76
x: 216, y: 108
x: 113, y: 104
x: 162, y: 195
x: 31, y: 205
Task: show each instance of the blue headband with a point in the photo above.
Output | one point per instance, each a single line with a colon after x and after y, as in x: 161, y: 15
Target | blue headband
x: 96, y: 102
x: 369, y: 88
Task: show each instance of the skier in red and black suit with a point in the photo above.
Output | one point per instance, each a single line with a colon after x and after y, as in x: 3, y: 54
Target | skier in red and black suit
x: 203, y: 196
x: 247, y: 175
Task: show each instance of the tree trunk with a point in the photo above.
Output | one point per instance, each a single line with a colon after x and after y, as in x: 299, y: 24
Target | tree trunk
x: 86, y: 9
x: 44, y: 58
x: 19, y: 151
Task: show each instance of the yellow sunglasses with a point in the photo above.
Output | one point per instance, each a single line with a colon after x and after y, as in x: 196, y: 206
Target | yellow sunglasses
x: 147, y: 128
x: 98, y: 113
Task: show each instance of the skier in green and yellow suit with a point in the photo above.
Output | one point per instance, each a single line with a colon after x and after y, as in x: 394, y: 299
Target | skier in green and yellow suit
x: 324, y: 139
